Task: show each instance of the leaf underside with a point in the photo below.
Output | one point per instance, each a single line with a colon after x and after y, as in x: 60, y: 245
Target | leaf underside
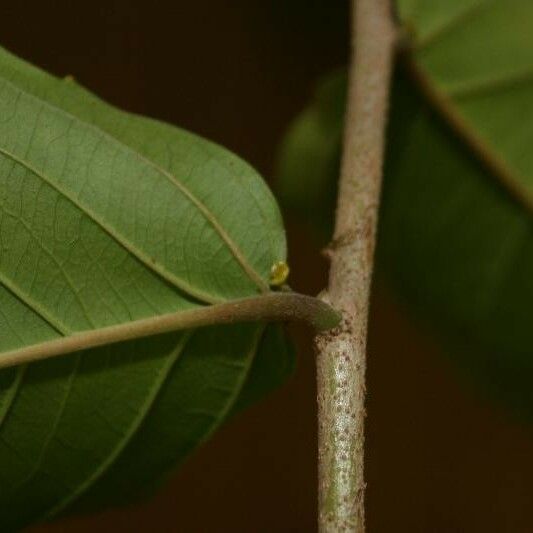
x: 458, y: 233
x: 478, y: 55
x: 108, y: 217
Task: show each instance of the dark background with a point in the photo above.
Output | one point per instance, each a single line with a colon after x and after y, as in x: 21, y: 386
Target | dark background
x: 439, y: 457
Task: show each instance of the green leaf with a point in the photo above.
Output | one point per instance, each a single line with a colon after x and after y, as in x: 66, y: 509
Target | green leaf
x: 474, y: 59
x: 105, y: 218
x: 308, y: 161
x: 456, y: 234
x: 458, y: 249
x: 457, y: 227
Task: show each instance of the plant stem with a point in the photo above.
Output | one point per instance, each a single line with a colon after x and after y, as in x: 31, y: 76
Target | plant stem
x: 269, y: 307
x: 341, y: 352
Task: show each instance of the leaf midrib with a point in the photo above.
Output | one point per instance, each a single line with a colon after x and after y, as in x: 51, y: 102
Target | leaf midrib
x: 482, y: 149
x: 443, y: 99
x: 70, y: 382
x: 49, y: 319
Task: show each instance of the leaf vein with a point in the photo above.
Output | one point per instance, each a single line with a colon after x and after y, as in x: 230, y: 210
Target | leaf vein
x: 458, y: 18
x: 106, y: 464
x: 234, y: 249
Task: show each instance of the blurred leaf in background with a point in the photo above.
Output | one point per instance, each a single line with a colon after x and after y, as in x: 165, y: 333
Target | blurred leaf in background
x: 310, y: 155
x: 456, y: 234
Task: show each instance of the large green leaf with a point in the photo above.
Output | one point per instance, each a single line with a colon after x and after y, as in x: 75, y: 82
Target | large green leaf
x: 456, y: 235
x: 457, y: 226
x: 105, y: 218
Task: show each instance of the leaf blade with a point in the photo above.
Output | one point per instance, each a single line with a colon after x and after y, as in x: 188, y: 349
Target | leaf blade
x: 83, y: 279
x: 481, y: 87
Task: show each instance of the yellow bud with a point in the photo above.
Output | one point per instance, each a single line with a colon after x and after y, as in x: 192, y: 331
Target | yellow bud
x: 279, y: 273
